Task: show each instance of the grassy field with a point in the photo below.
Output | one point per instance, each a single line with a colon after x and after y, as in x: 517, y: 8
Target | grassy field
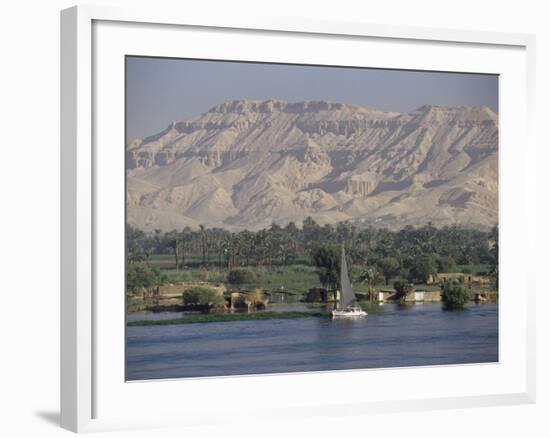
x: 194, y: 275
x: 295, y: 279
x: 473, y: 269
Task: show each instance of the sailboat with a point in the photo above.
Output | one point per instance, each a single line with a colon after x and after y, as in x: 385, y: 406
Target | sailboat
x: 346, y: 294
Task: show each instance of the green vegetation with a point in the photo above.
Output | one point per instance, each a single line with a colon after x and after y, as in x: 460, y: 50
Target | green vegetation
x: 370, y: 307
x: 225, y: 317
x: 243, y: 276
x: 445, y: 264
x: 285, y: 246
x: 389, y: 267
x: 454, y: 295
x: 327, y: 260
x: 474, y: 269
x: 192, y: 274
x: 402, y: 290
x: 294, y: 259
x: 141, y: 275
x: 371, y: 277
x: 203, y: 296
x: 422, y: 268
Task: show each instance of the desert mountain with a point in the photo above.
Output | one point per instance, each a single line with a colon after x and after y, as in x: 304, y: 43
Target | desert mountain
x: 247, y: 164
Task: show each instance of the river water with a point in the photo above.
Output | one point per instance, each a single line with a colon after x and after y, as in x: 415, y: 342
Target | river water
x: 421, y: 334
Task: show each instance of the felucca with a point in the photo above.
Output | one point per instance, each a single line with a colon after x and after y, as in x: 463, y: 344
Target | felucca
x: 346, y: 310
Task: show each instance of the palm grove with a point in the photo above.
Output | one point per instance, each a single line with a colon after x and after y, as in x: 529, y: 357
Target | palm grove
x: 376, y: 256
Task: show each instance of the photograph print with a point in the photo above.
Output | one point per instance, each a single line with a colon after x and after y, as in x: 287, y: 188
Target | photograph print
x: 285, y: 218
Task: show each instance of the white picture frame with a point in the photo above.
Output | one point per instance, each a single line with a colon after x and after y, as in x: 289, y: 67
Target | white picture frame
x: 91, y: 392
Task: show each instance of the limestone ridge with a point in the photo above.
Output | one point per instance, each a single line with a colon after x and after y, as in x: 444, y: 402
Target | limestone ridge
x: 246, y: 164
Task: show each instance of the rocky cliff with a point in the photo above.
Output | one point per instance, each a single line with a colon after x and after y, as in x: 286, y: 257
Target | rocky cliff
x: 246, y: 164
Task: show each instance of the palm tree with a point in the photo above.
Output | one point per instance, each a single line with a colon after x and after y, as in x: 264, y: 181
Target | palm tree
x: 246, y: 245
x: 262, y: 246
x: 226, y: 248
x: 135, y: 253
x: 345, y: 232
x: 172, y: 239
x: 287, y: 249
x: 204, y: 243
x: 370, y: 276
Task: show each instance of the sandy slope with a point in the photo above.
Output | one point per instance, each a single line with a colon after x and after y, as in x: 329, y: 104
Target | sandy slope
x: 246, y: 164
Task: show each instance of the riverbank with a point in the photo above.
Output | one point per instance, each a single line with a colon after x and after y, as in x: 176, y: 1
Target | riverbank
x: 227, y: 317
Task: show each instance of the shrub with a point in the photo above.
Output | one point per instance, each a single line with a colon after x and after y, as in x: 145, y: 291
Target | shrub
x: 203, y: 296
x: 327, y: 261
x: 422, y: 268
x: 454, y: 295
x: 242, y: 276
x: 390, y: 267
x: 402, y: 289
x: 142, y: 275
x: 445, y: 264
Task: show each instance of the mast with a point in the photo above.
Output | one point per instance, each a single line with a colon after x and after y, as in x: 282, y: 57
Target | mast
x: 346, y: 293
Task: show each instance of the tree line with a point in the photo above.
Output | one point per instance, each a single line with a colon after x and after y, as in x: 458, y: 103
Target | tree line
x: 419, y: 250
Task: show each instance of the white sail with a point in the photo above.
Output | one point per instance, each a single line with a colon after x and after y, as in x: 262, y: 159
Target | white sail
x: 346, y: 293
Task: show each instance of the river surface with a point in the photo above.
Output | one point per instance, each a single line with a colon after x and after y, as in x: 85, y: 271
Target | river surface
x: 421, y: 334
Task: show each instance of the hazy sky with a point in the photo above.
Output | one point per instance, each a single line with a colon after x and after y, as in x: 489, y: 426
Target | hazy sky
x: 161, y: 90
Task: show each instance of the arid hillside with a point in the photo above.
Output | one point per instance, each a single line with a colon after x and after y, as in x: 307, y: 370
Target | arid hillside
x: 246, y: 164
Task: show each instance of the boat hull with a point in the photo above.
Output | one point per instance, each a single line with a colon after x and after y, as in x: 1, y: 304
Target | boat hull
x: 348, y: 314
